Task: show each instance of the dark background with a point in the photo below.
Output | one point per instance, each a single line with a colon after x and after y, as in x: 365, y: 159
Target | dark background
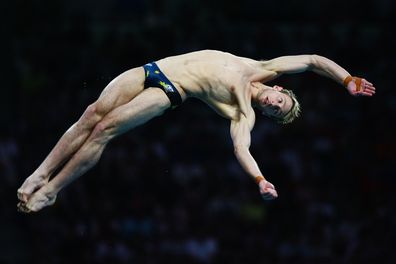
x: 171, y: 191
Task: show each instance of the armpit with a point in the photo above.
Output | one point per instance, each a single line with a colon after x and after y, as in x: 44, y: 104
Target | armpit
x: 230, y: 112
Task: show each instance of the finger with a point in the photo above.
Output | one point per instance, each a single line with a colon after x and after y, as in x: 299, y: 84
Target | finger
x: 360, y: 93
x: 365, y: 93
x: 267, y: 198
x: 272, y: 196
x: 267, y: 195
x: 366, y: 82
x: 269, y: 189
x: 371, y: 89
x: 273, y: 193
x: 270, y: 185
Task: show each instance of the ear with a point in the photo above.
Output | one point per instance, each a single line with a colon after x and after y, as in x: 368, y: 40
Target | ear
x: 278, y: 88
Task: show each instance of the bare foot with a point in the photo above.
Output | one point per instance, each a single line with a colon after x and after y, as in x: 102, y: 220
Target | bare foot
x: 31, y: 184
x: 38, y: 200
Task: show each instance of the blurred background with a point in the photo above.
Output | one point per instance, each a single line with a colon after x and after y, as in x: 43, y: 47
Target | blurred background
x: 171, y: 191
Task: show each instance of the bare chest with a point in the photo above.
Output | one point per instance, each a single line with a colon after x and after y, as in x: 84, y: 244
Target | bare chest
x: 222, y: 98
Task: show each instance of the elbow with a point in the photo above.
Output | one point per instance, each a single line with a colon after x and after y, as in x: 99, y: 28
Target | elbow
x: 239, y: 149
x: 315, y: 60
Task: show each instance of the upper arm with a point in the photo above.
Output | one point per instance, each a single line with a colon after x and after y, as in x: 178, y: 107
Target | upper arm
x: 289, y: 64
x: 240, y: 130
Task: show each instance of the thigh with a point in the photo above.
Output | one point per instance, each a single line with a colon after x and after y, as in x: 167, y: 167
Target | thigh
x: 121, y: 90
x: 149, y: 103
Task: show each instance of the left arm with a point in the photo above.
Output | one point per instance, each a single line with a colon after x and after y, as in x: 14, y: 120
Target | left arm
x: 240, y: 134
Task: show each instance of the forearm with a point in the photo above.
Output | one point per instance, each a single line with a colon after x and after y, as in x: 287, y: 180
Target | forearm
x: 247, y: 162
x: 328, y: 68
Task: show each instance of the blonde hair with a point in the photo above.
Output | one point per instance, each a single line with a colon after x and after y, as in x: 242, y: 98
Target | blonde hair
x: 294, y: 112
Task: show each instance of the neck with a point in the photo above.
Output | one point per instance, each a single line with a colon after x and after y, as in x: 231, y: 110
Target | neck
x: 257, y: 91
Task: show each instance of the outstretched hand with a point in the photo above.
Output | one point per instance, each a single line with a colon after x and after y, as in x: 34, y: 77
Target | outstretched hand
x: 267, y: 190
x: 360, y: 87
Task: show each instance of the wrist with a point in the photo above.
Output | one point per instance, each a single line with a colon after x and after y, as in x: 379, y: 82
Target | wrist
x: 347, y: 80
x: 258, y: 179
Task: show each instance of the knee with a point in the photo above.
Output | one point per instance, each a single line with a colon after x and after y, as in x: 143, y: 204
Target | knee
x: 92, y: 115
x: 102, y: 132
x: 92, y: 111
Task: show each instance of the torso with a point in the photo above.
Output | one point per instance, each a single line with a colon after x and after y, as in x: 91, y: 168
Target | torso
x: 212, y: 76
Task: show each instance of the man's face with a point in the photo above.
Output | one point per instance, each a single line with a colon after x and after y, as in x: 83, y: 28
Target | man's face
x: 273, y: 103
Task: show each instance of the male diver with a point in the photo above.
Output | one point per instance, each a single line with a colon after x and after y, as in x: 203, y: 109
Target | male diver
x: 231, y: 85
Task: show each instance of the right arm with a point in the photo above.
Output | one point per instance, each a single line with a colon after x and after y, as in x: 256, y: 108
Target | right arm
x: 322, y: 66
x: 302, y: 63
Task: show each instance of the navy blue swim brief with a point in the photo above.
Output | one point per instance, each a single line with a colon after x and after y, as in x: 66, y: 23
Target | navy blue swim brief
x: 155, y: 78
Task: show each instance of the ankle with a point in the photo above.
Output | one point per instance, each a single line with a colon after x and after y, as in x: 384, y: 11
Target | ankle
x: 40, y: 175
x: 50, y: 190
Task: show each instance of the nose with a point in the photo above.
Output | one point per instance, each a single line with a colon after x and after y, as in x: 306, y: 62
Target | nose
x: 274, y: 102
x: 273, y: 105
